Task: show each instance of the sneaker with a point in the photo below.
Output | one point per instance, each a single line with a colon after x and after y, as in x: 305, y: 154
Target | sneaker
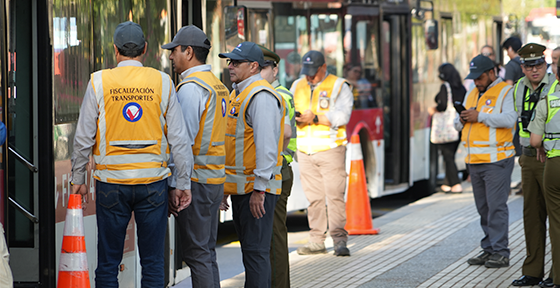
x: 312, y: 248
x: 340, y: 249
x: 480, y: 259
x: 497, y: 261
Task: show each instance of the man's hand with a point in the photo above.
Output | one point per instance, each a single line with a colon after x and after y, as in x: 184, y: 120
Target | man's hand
x: 82, y: 190
x: 541, y: 155
x: 306, y: 118
x: 224, y: 206
x: 172, y: 201
x: 256, y: 204
x: 470, y: 115
x: 179, y: 200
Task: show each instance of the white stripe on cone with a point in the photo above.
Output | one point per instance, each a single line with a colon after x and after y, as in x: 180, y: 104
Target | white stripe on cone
x: 355, y: 151
x: 73, y: 262
x: 73, y: 225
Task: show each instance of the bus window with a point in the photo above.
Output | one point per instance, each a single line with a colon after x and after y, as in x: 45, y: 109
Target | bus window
x: 260, y: 32
x: 447, y: 41
x: 326, y: 36
x: 291, y: 42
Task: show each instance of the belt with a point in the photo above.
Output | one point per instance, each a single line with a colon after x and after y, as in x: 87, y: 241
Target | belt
x: 529, y: 151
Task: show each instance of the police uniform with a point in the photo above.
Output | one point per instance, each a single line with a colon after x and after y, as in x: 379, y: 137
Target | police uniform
x: 203, y: 99
x: 279, y: 259
x: 526, y: 96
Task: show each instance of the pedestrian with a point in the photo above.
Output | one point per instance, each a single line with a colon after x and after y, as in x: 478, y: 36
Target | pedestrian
x: 554, y: 55
x: 545, y: 122
x: 451, y: 88
x: 527, y: 92
x: 279, y: 259
x: 325, y: 103
x: 513, y: 67
x: 203, y: 101
x: 130, y: 117
x: 254, y: 142
x: 487, y: 127
x: 488, y: 51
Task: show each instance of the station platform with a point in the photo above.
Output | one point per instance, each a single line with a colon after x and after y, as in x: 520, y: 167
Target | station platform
x: 424, y: 244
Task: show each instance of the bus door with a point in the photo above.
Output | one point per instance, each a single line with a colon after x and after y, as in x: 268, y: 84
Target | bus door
x: 396, y: 99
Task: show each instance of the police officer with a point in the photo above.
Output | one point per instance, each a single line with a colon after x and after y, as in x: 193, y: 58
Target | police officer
x: 325, y: 102
x: 545, y: 136
x: 254, y: 141
x: 527, y: 92
x: 131, y: 118
x: 488, y: 124
x: 279, y: 260
x: 203, y: 100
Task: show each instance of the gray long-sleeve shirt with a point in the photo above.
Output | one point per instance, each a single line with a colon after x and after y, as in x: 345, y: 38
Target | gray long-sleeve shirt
x: 86, y: 131
x: 506, y: 119
x: 263, y: 114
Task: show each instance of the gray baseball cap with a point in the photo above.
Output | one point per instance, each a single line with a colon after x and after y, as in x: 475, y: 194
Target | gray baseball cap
x: 312, y: 61
x: 245, y: 51
x: 189, y: 36
x: 129, y: 36
x: 479, y: 65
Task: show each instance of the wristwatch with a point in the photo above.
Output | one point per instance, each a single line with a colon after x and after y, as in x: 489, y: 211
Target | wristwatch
x: 316, y: 119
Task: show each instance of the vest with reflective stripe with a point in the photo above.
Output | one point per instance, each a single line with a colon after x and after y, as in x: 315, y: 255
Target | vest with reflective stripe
x: 290, y: 151
x: 241, y: 158
x: 486, y: 144
x: 131, y: 144
x: 315, y: 137
x: 209, y: 145
x: 521, y: 101
x: 551, y: 139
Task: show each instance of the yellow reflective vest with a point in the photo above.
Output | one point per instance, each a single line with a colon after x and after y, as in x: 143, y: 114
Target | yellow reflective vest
x: 486, y: 144
x: 315, y: 137
x: 130, y: 145
x: 240, y: 144
x: 209, y: 145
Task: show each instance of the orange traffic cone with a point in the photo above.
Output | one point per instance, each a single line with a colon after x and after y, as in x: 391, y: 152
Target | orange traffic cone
x: 73, y: 267
x: 358, y: 210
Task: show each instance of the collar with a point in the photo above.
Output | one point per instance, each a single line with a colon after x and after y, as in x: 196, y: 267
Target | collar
x: 245, y: 83
x: 275, y: 84
x: 198, y: 68
x: 135, y: 63
x: 318, y: 83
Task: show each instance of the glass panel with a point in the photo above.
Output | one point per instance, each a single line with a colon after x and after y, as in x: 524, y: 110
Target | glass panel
x: 326, y: 36
x: 387, y: 84
x: 214, y: 31
x: 3, y: 90
x: 447, y: 40
x: 259, y: 21
x: 290, y: 33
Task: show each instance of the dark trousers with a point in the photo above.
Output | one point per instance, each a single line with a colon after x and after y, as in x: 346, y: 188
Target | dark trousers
x: 552, y: 198
x: 254, y: 235
x: 448, y: 150
x: 491, y: 186
x: 114, y: 206
x: 534, y: 215
x: 279, y: 259
x: 198, y: 225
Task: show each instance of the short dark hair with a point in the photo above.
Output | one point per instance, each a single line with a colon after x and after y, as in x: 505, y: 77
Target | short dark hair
x: 513, y: 42
x: 133, y: 52
x: 200, y: 53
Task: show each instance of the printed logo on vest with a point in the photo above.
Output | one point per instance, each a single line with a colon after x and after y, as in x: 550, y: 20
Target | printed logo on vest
x: 132, y: 112
x: 555, y: 103
x: 224, y: 107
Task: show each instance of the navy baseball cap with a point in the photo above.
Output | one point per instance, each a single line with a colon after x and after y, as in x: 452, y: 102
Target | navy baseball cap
x: 129, y: 36
x: 312, y: 61
x: 479, y: 65
x: 189, y: 36
x: 245, y: 51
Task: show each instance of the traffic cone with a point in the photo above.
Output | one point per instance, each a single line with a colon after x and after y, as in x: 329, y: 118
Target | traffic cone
x: 73, y: 267
x: 358, y: 210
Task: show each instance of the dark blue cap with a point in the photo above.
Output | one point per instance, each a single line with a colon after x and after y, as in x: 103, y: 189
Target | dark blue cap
x: 312, y: 61
x: 479, y: 65
x: 245, y: 51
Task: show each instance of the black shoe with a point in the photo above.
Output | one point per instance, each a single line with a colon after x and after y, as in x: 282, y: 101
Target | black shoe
x: 546, y: 283
x: 480, y: 259
x: 497, y: 261
x: 340, y: 249
x: 526, y: 281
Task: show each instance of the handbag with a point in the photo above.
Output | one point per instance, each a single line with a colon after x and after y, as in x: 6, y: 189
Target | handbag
x: 443, y: 130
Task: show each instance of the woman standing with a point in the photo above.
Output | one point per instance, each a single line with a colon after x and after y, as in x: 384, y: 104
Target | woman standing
x: 452, y: 87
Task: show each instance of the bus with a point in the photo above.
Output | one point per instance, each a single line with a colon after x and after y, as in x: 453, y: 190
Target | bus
x: 49, y: 48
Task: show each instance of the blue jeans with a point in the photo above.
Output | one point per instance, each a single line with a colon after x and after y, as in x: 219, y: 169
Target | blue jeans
x: 114, y: 205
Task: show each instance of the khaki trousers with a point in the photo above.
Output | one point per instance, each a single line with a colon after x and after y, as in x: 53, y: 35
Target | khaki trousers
x: 552, y: 199
x: 279, y: 259
x: 323, y: 178
x: 534, y: 215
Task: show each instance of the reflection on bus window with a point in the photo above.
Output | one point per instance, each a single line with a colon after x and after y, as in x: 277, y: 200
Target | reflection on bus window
x: 326, y: 37
x: 291, y: 42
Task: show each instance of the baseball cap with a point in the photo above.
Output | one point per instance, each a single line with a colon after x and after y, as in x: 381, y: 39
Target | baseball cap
x: 245, y: 51
x: 479, y: 65
x: 129, y: 36
x: 312, y: 61
x: 269, y: 56
x: 513, y: 42
x: 532, y: 54
x: 189, y: 36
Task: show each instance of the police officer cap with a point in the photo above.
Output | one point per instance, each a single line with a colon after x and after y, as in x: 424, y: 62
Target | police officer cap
x: 129, y: 36
x: 269, y: 56
x: 531, y: 54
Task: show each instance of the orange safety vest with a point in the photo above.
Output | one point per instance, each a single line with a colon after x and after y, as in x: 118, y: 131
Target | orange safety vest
x: 315, y: 137
x: 486, y: 144
x: 130, y: 146
x: 241, y: 153
x: 208, y: 149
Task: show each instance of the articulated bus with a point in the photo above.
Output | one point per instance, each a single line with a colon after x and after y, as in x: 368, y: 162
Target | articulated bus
x: 49, y: 48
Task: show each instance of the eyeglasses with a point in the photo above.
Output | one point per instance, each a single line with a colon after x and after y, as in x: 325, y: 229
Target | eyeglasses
x: 235, y: 63
x: 487, y: 54
x: 533, y: 67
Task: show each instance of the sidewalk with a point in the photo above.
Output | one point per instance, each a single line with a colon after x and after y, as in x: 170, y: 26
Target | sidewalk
x: 424, y: 244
